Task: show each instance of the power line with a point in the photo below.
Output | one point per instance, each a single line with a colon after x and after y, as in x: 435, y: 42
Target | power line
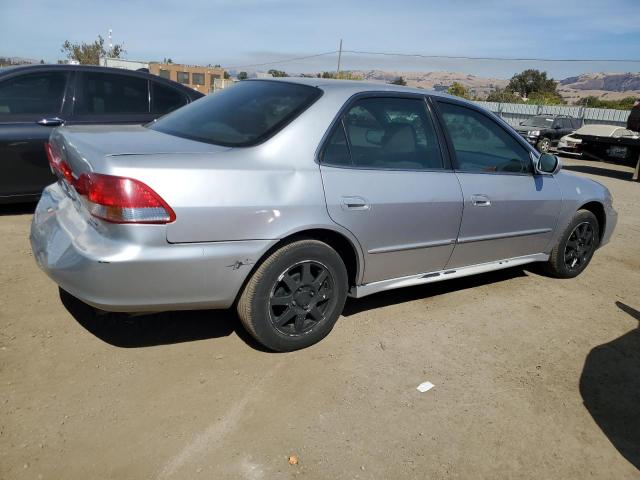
x: 286, y: 60
x: 445, y: 57
x: 507, y: 59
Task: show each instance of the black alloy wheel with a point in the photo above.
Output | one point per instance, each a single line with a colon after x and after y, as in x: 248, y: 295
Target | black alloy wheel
x: 579, y: 246
x: 301, y: 297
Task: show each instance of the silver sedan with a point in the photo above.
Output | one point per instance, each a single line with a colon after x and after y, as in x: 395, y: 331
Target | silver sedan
x: 283, y: 197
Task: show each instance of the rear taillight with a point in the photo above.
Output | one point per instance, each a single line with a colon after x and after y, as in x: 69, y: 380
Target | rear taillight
x: 122, y: 200
x: 58, y: 166
x: 111, y: 198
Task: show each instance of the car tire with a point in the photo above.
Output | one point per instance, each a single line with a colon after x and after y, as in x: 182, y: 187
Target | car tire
x: 576, y: 246
x: 544, y: 145
x: 294, y: 298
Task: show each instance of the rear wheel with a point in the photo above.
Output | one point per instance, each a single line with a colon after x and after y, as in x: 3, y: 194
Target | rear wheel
x: 295, y: 296
x: 544, y: 145
x: 575, y: 248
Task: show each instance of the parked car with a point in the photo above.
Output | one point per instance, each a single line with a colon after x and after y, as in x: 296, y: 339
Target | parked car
x: 282, y: 197
x: 545, y: 131
x: 572, y: 143
x: 36, y: 98
x: 633, y: 121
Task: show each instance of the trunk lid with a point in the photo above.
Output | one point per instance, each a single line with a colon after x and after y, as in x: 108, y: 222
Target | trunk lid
x: 92, y: 148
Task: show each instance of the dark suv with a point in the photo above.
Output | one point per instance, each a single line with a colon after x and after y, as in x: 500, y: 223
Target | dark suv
x: 35, y: 98
x: 544, y: 131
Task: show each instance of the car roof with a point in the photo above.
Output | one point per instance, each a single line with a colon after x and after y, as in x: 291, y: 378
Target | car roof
x: 598, y: 130
x: 353, y: 86
x: 97, y: 68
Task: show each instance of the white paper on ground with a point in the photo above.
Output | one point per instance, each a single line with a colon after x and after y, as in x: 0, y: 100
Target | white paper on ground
x: 425, y: 387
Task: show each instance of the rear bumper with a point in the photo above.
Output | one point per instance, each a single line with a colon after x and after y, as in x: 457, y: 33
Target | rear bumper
x: 137, y: 271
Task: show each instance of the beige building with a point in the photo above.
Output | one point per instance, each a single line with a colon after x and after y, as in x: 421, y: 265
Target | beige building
x: 202, y: 79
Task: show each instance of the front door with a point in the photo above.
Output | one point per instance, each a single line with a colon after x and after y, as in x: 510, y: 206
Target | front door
x: 31, y: 105
x: 386, y: 181
x: 508, y: 211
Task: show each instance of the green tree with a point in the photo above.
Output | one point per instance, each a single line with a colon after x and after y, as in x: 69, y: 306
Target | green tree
x: 458, y: 90
x: 545, y: 98
x: 243, y: 76
x: 503, y: 95
x: 595, y: 102
x: 277, y: 73
x: 90, y: 53
x: 533, y: 81
x: 398, y: 81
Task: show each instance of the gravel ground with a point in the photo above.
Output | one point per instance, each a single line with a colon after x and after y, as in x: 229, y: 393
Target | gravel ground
x: 534, y: 378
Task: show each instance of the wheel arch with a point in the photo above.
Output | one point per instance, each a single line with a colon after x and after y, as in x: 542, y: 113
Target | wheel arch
x: 345, y: 247
x: 597, y: 209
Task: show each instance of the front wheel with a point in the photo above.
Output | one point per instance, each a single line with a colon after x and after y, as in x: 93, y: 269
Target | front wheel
x: 574, y: 250
x: 295, y: 296
x: 544, y: 145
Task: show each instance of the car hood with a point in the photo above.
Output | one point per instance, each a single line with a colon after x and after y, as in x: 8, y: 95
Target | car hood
x: 524, y: 128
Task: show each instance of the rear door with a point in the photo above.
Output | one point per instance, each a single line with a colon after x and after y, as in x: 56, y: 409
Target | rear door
x: 386, y: 181
x: 165, y: 99
x: 111, y: 98
x: 508, y: 211
x: 31, y: 104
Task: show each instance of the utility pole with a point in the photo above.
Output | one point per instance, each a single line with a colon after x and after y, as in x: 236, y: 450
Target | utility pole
x: 110, y: 43
x: 339, y: 58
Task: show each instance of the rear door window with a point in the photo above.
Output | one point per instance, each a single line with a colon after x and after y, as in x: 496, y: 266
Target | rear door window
x: 33, y: 93
x: 112, y: 94
x: 166, y: 99
x: 245, y: 114
x: 388, y: 133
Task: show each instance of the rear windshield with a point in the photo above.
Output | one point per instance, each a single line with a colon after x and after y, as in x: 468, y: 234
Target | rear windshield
x: 242, y: 115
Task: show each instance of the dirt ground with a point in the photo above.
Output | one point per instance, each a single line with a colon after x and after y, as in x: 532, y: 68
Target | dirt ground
x: 534, y: 378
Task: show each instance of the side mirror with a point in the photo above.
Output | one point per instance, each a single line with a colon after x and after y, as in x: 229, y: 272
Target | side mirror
x: 549, y: 164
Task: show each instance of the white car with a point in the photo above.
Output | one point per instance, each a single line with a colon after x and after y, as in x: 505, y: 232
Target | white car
x: 571, y: 144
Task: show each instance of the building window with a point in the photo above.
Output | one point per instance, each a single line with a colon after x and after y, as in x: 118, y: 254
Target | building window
x: 165, y: 74
x: 198, y: 78
x: 183, y: 77
x: 214, y: 76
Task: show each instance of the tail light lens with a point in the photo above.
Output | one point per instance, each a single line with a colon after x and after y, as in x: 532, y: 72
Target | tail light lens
x: 122, y: 200
x: 111, y: 198
x: 58, y: 166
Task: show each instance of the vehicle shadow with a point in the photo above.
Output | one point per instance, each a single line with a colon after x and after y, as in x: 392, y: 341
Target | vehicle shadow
x: 18, y: 208
x: 401, y: 295
x: 610, y: 389
x: 153, y: 329
x: 602, y: 171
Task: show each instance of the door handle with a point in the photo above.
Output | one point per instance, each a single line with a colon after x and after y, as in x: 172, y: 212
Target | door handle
x: 51, y: 122
x: 480, y: 201
x: 354, y: 203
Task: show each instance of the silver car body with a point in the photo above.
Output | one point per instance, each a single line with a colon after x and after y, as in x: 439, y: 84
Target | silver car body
x: 233, y: 205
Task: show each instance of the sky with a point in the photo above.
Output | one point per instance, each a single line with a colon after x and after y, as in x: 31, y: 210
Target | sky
x: 241, y: 33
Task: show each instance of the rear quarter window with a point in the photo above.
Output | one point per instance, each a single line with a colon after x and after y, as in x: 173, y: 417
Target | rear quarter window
x: 242, y: 115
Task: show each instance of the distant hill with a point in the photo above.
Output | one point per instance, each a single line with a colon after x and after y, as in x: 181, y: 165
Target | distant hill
x: 606, y: 86
x: 480, y: 86
x: 610, y: 82
x: 609, y: 86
